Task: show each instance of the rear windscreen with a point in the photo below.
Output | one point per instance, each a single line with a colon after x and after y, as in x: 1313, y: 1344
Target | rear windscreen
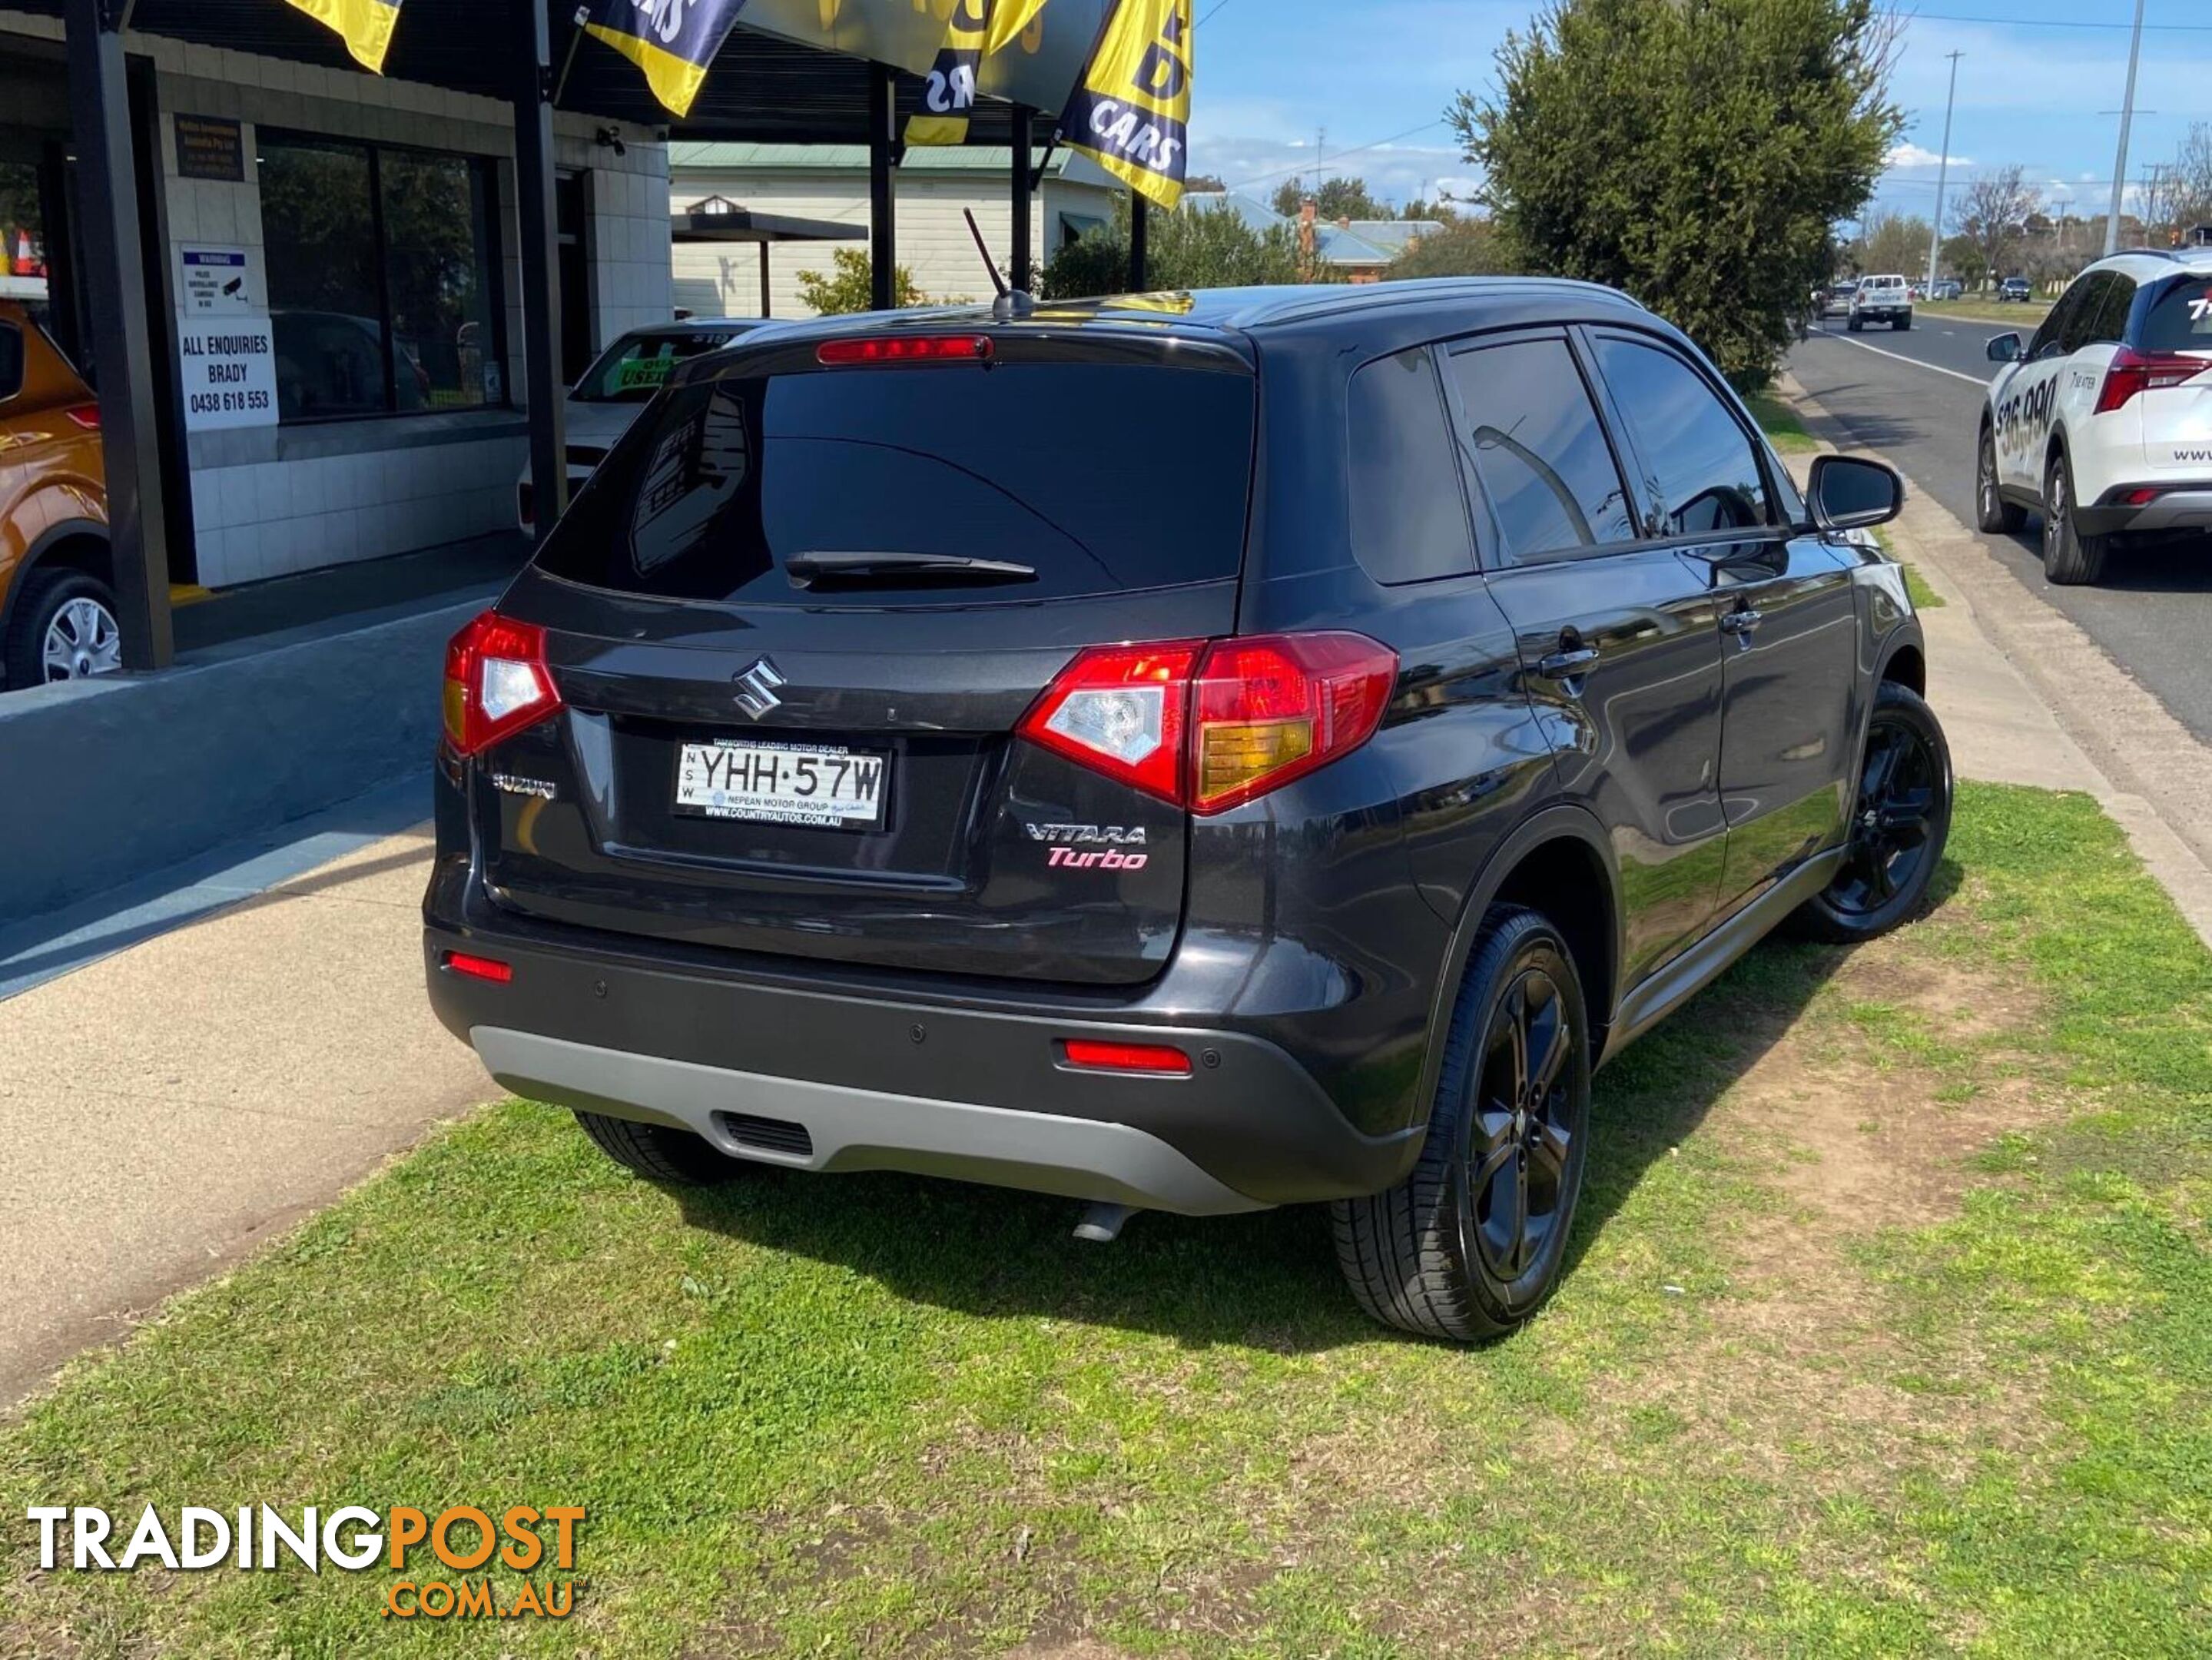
x: 1101, y: 478
x: 2180, y: 317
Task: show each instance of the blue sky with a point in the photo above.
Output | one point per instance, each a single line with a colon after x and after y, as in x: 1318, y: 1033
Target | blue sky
x: 2033, y: 88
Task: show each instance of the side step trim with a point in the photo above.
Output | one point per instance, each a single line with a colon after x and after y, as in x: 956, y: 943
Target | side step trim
x: 1662, y: 993
x: 859, y: 1129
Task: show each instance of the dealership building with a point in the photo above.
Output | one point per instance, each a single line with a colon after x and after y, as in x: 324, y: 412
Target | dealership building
x: 315, y: 300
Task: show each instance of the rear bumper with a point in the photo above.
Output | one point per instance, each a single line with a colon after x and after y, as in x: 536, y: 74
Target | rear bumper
x: 2182, y: 507
x: 847, y: 1081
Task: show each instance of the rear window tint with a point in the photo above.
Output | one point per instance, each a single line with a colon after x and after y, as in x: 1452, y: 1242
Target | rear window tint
x: 2180, y: 317
x: 1408, y: 507
x: 1103, y: 477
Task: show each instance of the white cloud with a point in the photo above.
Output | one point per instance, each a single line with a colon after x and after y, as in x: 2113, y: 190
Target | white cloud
x: 1909, y: 155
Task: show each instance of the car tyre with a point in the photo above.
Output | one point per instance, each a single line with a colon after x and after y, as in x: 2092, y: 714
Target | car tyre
x: 1903, y: 322
x: 1900, y: 819
x: 1855, y: 325
x: 64, y: 611
x: 660, y: 1152
x: 2069, y: 559
x: 1993, y: 514
x: 1473, y: 1240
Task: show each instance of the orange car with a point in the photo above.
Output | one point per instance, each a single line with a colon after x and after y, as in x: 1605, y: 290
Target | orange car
x: 56, y: 601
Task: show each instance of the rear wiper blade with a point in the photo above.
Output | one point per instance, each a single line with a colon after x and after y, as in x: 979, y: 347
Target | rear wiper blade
x: 808, y: 569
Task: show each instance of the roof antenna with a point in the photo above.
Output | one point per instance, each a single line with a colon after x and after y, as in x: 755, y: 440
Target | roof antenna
x: 1011, y: 302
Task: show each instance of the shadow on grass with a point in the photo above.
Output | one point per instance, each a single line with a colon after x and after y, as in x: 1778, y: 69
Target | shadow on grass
x: 1269, y: 1280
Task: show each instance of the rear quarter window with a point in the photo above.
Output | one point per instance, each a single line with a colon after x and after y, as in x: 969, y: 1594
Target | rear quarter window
x: 1408, y: 506
x: 2179, y: 318
x: 1103, y: 477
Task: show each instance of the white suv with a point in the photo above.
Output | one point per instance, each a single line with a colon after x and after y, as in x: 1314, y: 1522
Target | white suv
x: 2102, y: 424
x: 1881, y: 300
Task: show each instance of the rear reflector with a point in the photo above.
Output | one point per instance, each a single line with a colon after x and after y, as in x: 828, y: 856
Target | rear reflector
x: 1157, y: 1060
x: 1210, y: 726
x: 86, y: 416
x: 905, y: 349
x: 496, y: 682
x: 2137, y: 498
x: 480, y: 968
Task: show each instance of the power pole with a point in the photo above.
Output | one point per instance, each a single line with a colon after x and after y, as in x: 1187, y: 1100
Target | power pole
x: 1943, y: 173
x: 2127, y: 115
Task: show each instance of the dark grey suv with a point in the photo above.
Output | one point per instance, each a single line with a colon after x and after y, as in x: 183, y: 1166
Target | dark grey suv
x: 1248, y: 749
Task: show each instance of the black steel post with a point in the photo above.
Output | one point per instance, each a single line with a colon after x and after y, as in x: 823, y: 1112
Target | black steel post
x: 1137, y: 237
x: 122, y: 341
x: 882, y: 229
x: 541, y: 263
x: 766, y: 292
x: 1021, y: 257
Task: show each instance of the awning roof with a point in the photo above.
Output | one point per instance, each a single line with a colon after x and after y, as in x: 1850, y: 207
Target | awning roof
x: 728, y: 222
x: 760, y: 88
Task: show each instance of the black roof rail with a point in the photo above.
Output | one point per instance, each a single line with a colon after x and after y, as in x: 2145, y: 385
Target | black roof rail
x: 2155, y: 254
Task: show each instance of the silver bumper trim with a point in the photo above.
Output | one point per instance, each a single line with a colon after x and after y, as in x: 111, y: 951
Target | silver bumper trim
x: 858, y: 1130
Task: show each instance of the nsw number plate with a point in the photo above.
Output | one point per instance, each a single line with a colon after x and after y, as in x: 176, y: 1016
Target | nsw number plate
x: 783, y: 784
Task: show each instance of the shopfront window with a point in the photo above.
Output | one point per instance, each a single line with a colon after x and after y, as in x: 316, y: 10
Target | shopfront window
x: 380, y: 292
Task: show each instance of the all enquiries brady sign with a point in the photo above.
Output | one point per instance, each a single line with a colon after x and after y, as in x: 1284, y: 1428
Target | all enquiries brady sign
x: 229, y: 371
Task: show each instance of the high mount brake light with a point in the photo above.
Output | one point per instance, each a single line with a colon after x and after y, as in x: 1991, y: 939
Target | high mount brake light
x: 905, y: 349
x: 2131, y: 371
x: 496, y: 682
x: 1209, y: 727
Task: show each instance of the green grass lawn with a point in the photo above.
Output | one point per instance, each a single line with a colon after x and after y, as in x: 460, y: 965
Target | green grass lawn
x: 1781, y: 425
x: 1890, y: 1332
x: 2025, y: 316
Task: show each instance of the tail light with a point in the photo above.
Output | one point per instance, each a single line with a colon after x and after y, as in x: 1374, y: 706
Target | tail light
x: 496, y: 682
x: 86, y: 416
x: 1209, y: 727
x: 2133, y: 371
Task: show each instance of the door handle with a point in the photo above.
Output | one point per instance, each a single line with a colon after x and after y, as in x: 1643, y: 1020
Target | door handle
x: 1739, y: 623
x: 1560, y: 665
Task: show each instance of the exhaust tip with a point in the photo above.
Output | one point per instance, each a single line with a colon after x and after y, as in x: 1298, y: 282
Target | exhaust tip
x: 1102, y: 1223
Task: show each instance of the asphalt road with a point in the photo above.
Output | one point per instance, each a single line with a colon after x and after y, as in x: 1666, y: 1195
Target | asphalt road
x: 1917, y: 397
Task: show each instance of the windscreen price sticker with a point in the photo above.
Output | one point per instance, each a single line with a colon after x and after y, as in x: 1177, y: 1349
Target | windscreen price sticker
x: 228, y: 372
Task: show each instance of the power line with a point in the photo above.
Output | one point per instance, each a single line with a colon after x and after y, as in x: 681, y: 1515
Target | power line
x: 1285, y: 172
x: 2034, y: 22
x: 1209, y: 11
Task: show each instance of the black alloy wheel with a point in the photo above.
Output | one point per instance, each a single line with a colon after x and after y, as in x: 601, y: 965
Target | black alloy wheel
x: 1900, y: 819
x: 1474, y: 1239
x: 1521, y: 1136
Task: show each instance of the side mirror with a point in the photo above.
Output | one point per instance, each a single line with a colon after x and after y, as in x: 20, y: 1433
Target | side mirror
x: 1849, y: 492
x: 2005, y: 349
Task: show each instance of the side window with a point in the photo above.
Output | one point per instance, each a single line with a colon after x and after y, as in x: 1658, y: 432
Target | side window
x: 1705, y: 473
x: 1408, y: 507
x: 11, y: 360
x: 1533, y: 436
x: 2110, y: 326
x: 2048, y: 338
x: 2087, y: 308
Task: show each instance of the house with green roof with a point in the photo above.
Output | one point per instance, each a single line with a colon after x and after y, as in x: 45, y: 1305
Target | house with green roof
x: 828, y: 182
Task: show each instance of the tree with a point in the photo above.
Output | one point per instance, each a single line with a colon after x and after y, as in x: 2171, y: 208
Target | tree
x: 1464, y: 247
x: 1893, y: 242
x: 845, y: 286
x: 1963, y: 260
x: 1339, y: 198
x: 1693, y: 152
x: 1992, y: 213
x: 1196, y: 246
x: 1205, y: 184
x: 1444, y: 210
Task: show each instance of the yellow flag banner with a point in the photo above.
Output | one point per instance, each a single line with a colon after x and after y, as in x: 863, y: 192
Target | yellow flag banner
x: 948, y: 91
x: 1010, y: 20
x: 1130, y: 111
x: 365, y: 26
x: 976, y: 30
x: 673, y: 41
